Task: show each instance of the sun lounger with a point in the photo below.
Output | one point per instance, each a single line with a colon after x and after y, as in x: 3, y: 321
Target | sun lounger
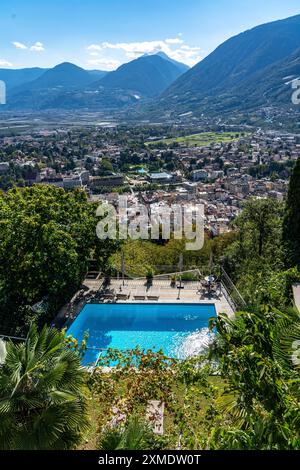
x: 139, y: 297
x: 123, y: 296
x: 152, y: 297
x: 109, y: 295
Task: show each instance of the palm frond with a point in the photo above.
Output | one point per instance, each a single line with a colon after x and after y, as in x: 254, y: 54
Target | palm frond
x: 41, y: 393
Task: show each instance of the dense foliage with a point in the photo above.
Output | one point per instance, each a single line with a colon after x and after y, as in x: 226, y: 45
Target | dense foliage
x: 47, y: 237
x: 139, y: 376
x: 291, y: 226
x: 255, y: 354
x: 163, y: 256
x: 136, y: 435
x: 42, y: 404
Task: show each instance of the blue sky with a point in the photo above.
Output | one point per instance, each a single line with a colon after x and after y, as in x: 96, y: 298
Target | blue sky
x: 103, y: 34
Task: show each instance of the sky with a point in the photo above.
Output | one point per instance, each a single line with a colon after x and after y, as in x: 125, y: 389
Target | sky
x: 103, y: 34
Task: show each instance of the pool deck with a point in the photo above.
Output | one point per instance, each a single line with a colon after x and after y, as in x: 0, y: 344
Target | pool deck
x: 167, y: 294
x: 161, y: 290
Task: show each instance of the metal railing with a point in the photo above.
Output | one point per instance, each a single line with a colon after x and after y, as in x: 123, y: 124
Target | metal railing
x: 12, y: 337
x: 232, y: 294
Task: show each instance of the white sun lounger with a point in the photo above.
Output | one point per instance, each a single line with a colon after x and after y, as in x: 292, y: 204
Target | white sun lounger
x: 139, y: 297
x: 152, y: 297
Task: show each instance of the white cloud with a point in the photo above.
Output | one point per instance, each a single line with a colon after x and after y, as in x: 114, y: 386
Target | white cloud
x: 4, y: 63
x: 104, y: 63
x: 174, y: 41
x: 38, y: 47
x: 94, y: 47
x: 173, y: 47
x: 136, y: 48
x: 187, y: 54
x: 19, y: 45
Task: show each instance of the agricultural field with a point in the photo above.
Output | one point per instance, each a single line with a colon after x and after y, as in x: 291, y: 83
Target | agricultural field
x: 201, y: 140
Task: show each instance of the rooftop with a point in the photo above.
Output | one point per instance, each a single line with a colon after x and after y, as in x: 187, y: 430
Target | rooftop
x: 162, y: 175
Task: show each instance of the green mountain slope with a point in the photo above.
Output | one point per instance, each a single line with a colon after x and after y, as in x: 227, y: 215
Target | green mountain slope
x: 240, y: 71
x: 148, y: 75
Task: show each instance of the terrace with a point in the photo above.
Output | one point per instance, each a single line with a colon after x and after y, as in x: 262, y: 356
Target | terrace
x: 157, y: 291
x: 158, y: 313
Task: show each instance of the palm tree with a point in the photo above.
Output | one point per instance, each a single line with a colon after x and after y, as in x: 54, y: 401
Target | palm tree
x: 41, y: 393
x: 286, y: 346
x: 135, y: 436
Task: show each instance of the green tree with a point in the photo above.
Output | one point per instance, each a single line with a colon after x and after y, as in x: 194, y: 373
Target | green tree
x: 260, y: 405
x: 291, y: 223
x: 105, y: 167
x: 257, y: 248
x: 258, y: 224
x: 47, y: 237
x: 42, y: 404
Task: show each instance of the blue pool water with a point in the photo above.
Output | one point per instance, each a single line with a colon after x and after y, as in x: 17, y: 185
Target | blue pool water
x: 180, y: 330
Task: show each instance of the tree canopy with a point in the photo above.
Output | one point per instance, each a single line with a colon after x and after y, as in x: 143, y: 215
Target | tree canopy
x: 260, y: 404
x: 47, y: 237
x: 291, y: 224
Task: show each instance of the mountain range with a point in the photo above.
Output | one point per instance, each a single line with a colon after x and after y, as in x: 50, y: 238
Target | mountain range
x: 69, y: 86
x: 250, y: 71
x: 148, y: 75
x: 16, y: 77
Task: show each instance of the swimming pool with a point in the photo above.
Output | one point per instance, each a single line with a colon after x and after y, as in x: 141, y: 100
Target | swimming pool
x: 180, y: 330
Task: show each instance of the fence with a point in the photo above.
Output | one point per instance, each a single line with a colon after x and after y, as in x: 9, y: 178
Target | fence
x: 231, y: 292
x: 15, y: 338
